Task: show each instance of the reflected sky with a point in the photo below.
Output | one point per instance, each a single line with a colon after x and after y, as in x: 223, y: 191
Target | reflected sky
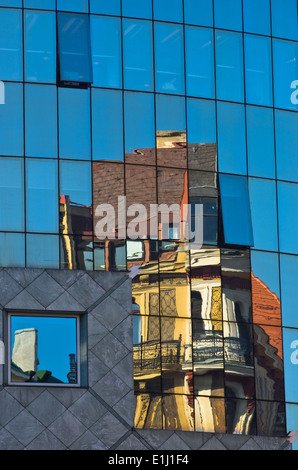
x: 56, y: 339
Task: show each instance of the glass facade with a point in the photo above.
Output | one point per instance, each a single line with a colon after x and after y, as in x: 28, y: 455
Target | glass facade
x: 166, y: 103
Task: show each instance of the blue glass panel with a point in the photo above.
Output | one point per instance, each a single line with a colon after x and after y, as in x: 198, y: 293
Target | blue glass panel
x: 228, y: 14
x: 106, y: 51
x: 40, y: 4
x: 74, y: 124
x: 11, y: 60
x: 262, y: 194
x: 198, y: 12
x: 73, y: 5
x: 137, y: 8
x: 12, y: 250
x: 11, y: 194
x: 40, y: 46
x: 265, y: 266
x: 199, y: 62
x: 41, y: 120
x: 168, y: 10
x: 11, y: 3
x: 138, y: 55
x: 42, y: 195
x: 290, y: 338
x: 11, y: 121
x: 235, y: 210
x: 256, y: 16
x: 288, y: 222
x: 75, y: 62
x: 229, y: 66
x: 286, y: 125
x: 169, y: 58
x: 288, y: 279
x: 285, y: 73
x: 201, y: 134
x: 75, y: 182
x: 260, y: 141
x: 42, y: 251
x: 112, y: 7
x: 107, y: 122
x: 170, y: 113
x: 139, y: 123
x: 284, y: 19
x: 201, y: 122
x: 231, y: 138
x: 258, y: 70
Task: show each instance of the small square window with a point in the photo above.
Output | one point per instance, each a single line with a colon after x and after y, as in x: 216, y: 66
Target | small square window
x: 44, y: 349
x: 74, y: 50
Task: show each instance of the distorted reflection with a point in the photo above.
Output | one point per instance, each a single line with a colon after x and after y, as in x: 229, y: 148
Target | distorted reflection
x: 203, y: 190
x: 178, y: 412
x: 76, y: 252
x: 44, y: 349
x: 239, y: 365
x: 271, y: 418
x: 210, y: 414
x: 148, y: 414
x: 236, y: 285
x: 241, y: 416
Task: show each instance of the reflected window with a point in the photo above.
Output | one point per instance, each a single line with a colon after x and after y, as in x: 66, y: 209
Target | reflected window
x: 75, y: 197
x: 74, y: 47
x: 40, y: 46
x: 44, y: 350
x: 169, y: 58
x: 171, y: 131
x: 106, y: 51
x: 201, y: 134
x: 236, y: 216
x: 11, y: 62
x: 199, y: 62
x: 76, y: 252
x: 229, y: 65
x: 137, y: 55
